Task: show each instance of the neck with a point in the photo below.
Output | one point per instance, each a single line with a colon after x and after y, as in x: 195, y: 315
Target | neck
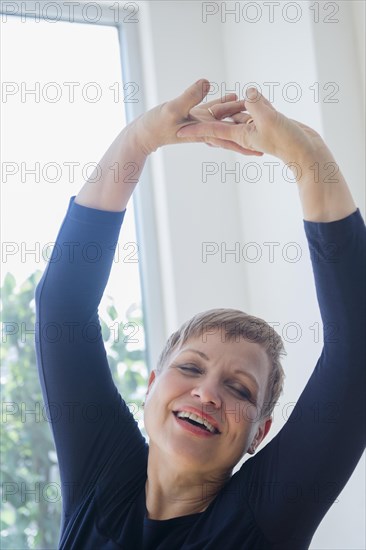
x: 173, y: 490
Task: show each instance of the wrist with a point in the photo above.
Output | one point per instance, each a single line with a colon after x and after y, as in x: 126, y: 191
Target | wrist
x: 323, y: 191
x: 311, y: 163
x: 133, y: 136
x: 297, y: 143
x: 143, y: 138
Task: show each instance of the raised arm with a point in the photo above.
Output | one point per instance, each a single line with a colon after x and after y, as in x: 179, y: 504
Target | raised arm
x: 292, y: 482
x: 323, y: 191
x: 88, y: 417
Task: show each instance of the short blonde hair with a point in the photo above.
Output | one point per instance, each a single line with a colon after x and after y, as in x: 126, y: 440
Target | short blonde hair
x: 235, y: 324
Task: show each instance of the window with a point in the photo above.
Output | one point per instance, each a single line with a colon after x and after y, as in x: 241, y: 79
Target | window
x: 63, y: 103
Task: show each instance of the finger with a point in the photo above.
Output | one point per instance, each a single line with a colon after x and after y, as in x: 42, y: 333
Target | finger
x: 241, y: 118
x: 228, y: 131
x: 256, y: 104
x: 220, y: 130
x: 232, y: 146
x: 191, y: 97
x: 229, y: 109
x: 223, y: 99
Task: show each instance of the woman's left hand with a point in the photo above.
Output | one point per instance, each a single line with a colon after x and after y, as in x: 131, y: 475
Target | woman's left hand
x: 159, y: 126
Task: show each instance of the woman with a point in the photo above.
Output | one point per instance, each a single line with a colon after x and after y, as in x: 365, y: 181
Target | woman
x: 210, y: 399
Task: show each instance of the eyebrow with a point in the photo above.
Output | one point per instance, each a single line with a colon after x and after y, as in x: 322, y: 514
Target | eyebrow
x: 237, y: 371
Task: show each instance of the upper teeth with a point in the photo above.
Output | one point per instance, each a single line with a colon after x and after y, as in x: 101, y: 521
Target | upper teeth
x: 184, y: 414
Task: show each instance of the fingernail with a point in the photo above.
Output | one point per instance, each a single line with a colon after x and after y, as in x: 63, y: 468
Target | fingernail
x: 251, y: 93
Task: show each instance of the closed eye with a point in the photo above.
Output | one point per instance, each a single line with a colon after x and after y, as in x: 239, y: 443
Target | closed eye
x: 190, y: 369
x: 244, y: 394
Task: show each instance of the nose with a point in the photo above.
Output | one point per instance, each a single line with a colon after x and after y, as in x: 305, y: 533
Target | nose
x: 208, y: 392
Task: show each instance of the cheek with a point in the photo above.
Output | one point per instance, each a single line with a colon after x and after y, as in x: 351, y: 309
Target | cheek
x: 159, y: 402
x: 247, y: 413
x: 172, y: 386
x: 251, y: 413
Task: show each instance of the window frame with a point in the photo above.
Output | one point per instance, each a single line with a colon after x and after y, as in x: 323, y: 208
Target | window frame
x: 123, y: 18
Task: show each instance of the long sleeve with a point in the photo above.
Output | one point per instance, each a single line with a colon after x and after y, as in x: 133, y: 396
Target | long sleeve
x: 88, y: 417
x: 298, y: 475
x: 278, y: 498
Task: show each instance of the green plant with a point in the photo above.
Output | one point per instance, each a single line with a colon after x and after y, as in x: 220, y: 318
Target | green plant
x: 31, y: 503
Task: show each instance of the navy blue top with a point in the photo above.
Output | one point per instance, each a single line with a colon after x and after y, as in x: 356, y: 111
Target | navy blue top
x: 278, y: 497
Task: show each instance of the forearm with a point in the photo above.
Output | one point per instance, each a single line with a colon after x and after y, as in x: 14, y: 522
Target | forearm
x: 111, y: 185
x: 113, y: 182
x: 323, y: 191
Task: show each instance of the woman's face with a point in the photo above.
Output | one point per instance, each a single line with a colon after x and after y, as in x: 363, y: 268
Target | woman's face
x: 210, y: 376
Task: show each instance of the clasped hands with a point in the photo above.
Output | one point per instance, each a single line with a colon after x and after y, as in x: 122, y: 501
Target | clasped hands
x: 223, y: 123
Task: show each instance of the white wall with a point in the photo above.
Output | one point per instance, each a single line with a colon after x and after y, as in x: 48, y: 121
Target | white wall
x: 359, y: 19
x: 189, y: 212
x: 231, y: 51
x: 304, y: 52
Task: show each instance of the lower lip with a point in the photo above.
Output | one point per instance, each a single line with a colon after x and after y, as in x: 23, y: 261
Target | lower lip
x: 193, y: 429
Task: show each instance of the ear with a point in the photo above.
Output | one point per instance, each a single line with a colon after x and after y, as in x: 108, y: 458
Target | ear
x: 151, y: 380
x: 263, y: 430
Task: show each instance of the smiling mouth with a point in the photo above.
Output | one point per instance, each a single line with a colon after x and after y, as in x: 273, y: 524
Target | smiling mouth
x: 196, y: 421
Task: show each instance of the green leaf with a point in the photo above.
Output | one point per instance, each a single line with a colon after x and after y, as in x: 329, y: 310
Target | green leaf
x: 9, y: 284
x: 112, y: 312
